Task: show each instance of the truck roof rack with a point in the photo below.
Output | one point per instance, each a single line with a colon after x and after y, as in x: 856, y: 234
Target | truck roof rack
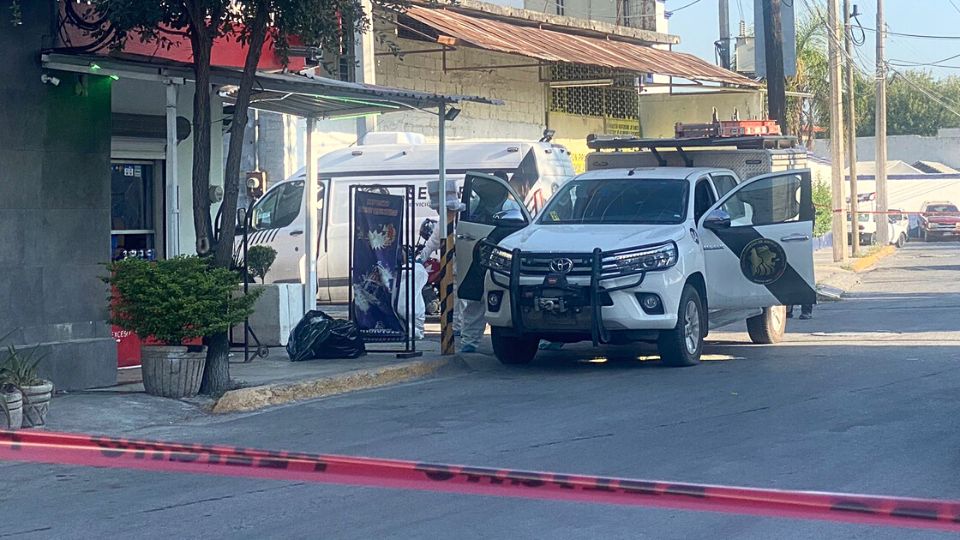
x: 632, y: 142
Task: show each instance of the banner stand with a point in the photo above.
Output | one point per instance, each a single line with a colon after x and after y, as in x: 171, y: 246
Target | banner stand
x: 382, y: 222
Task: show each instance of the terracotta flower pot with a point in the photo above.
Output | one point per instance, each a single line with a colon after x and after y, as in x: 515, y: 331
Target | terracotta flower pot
x: 172, y: 372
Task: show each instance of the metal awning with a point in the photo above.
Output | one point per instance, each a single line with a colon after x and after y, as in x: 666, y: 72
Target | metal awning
x: 525, y: 38
x: 302, y: 95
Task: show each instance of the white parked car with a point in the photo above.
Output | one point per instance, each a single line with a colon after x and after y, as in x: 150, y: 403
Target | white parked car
x: 656, y: 254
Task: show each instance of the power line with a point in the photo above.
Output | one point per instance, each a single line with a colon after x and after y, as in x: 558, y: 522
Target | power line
x: 910, y: 35
x: 685, y: 6
x: 931, y: 95
x: 952, y: 3
x: 938, y: 63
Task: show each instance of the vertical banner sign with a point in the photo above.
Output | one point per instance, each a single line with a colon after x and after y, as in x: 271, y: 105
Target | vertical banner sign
x: 375, y: 269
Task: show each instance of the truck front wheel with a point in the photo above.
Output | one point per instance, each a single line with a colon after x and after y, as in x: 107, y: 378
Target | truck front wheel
x: 513, y: 350
x: 683, y: 345
x: 769, y: 326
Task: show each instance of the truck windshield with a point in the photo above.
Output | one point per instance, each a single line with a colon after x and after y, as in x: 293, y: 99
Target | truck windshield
x: 619, y: 201
x: 941, y: 208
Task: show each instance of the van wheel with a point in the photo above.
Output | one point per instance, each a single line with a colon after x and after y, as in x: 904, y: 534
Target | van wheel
x: 902, y: 241
x: 682, y: 346
x: 769, y: 326
x: 513, y: 350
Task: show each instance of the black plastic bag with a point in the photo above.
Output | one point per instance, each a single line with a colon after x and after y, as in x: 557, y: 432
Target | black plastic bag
x: 320, y: 336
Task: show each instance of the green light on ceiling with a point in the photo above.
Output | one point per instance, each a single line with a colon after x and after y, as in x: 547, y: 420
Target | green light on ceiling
x: 95, y: 67
x: 358, y: 102
x: 115, y: 77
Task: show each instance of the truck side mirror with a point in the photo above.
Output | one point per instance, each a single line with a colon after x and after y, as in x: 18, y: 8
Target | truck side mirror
x: 718, y: 219
x: 510, y: 218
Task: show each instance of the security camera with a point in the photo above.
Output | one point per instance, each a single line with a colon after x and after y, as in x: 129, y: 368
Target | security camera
x: 47, y: 79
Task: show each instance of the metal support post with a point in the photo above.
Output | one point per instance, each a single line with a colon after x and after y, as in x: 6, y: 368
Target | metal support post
x: 447, y: 297
x: 172, y: 237
x: 310, y: 233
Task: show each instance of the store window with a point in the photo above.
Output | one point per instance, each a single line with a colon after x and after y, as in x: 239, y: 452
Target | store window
x: 132, y: 206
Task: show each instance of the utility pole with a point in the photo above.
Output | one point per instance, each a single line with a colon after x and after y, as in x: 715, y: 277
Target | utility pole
x: 883, y: 233
x: 836, y: 136
x: 773, y: 58
x: 851, y: 128
x: 725, y: 34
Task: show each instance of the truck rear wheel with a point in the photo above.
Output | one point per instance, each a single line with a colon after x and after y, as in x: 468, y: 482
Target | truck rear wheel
x: 513, y: 350
x: 769, y: 326
x: 902, y: 240
x: 682, y: 346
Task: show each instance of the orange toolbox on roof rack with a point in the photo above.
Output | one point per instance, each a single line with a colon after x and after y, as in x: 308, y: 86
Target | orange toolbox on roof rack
x: 727, y: 128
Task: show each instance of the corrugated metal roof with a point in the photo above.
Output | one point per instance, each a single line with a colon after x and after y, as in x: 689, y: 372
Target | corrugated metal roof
x: 554, y: 46
x: 290, y: 93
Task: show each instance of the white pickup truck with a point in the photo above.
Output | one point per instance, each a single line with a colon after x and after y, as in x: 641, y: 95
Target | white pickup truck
x: 655, y: 254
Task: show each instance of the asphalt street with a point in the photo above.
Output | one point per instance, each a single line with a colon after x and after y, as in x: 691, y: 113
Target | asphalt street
x: 863, y: 398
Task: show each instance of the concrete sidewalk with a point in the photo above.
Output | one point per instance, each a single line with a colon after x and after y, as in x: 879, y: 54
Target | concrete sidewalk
x: 834, y: 279
x: 263, y: 382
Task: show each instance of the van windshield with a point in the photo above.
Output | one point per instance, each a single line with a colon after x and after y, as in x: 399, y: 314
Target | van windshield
x: 279, y: 207
x: 619, y: 201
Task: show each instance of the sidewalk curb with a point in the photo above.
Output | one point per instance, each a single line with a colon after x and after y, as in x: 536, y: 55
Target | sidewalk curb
x: 871, y: 260
x: 269, y: 395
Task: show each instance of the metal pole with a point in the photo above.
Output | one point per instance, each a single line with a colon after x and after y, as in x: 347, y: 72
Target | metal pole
x: 246, y: 284
x: 310, y: 233
x: 364, y: 49
x: 836, y: 137
x: 172, y: 242
x: 883, y: 233
x: 725, y: 34
x: 851, y: 131
x: 447, y: 298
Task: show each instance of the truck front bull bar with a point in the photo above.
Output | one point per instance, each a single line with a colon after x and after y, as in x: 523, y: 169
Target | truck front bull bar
x: 598, y: 272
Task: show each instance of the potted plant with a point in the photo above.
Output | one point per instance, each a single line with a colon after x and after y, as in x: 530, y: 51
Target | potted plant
x: 171, y: 302
x: 11, y: 407
x: 21, y: 388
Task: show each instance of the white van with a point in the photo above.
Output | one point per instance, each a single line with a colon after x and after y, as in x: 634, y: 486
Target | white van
x: 278, y: 221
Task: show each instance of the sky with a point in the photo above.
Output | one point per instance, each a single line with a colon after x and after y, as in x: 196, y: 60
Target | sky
x: 698, y: 27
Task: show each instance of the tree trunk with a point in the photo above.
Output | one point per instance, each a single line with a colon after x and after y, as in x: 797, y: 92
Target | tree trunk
x: 216, y: 372
x: 223, y: 253
x: 201, y: 45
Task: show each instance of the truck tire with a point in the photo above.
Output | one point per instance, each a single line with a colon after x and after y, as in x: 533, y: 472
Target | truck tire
x: 513, y: 350
x: 768, y: 327
x: 683, y: 345
x: 902, y: 240
x: 923, y: 235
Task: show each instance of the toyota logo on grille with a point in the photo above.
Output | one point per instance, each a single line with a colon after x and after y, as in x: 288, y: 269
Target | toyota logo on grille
x: 561, y: 266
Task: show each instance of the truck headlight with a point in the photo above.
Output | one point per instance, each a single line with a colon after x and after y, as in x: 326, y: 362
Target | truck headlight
x: 647, y: 259
x: 495, y: 258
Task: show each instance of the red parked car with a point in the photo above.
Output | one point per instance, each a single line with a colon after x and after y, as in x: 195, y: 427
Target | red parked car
x: 939, y: 220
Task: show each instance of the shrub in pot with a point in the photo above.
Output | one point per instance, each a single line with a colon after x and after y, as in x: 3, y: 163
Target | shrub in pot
x: 18, y: 372
x: 172, y: 301
x: 259, y: 261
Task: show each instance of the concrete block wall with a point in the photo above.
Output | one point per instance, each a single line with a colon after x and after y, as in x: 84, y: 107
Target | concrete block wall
x: 522, y: 116
x: 54, y: 209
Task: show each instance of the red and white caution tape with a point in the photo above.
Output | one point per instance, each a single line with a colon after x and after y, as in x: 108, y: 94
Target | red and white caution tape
x: 95, y: 451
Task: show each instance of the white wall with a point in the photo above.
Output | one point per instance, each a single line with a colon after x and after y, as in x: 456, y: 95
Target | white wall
x: 944, y: 148
x: 521, y: 116
x: 659, y: 112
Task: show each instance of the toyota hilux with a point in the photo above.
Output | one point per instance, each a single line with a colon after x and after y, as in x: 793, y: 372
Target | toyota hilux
x: 654, y: 254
